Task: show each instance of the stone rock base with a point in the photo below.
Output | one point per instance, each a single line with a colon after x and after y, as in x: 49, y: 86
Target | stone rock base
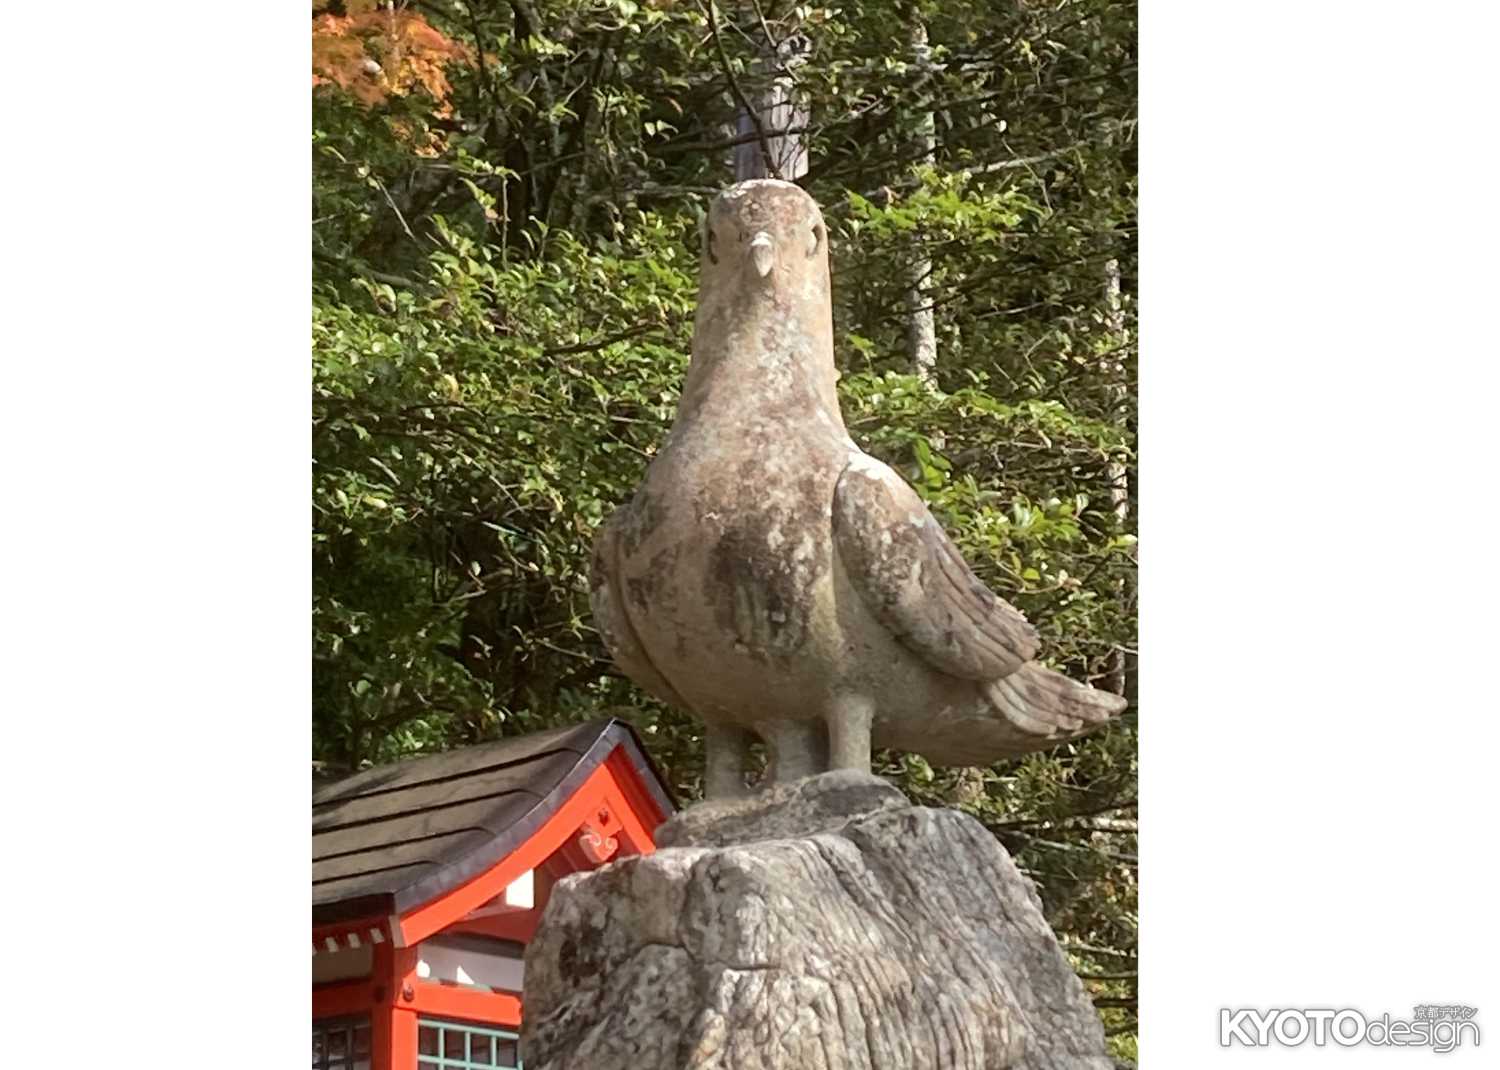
x: 823, y: 925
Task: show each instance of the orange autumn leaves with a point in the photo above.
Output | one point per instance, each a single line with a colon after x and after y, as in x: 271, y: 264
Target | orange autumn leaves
x: 377, y: 51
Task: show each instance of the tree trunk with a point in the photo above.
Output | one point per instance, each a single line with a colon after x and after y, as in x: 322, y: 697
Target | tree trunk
x: 783, y: 115
x: 1118, y: 475
x: 921, y: 326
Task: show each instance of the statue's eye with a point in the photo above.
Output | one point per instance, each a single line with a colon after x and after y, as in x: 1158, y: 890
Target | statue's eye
x: 817, y: 232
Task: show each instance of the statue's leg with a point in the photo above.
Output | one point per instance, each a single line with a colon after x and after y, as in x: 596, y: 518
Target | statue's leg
x: 726, y: 747
x: 798, y: 749
x: 849, y: 733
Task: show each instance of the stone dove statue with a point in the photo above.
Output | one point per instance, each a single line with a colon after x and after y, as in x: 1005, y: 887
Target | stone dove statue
x: 776, y: 581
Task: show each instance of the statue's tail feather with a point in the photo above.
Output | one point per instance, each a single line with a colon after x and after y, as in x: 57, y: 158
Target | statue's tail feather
x: 1048, y: 705
x: 1028, y: 710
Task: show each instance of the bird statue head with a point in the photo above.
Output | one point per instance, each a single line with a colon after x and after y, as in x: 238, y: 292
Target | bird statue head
x: 763, y: 331
x: 767, y: 235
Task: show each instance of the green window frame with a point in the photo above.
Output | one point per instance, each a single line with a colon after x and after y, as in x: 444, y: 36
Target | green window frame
x: 443, y: 1044
x: 341, y: 1043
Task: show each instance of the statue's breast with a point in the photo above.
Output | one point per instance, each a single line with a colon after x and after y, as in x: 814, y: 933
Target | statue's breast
x: 728, y: 543
x: 766, y: 549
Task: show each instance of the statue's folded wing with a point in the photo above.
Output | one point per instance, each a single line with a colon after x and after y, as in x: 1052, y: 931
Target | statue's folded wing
x: 914, y: 581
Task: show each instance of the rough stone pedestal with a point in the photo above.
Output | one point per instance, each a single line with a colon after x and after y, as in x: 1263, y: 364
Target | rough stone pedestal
x: 824, y: 925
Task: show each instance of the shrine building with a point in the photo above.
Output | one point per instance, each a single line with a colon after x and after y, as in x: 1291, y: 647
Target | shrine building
x: 429, y: 877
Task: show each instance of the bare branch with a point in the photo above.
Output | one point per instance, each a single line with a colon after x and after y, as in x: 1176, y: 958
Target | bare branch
x: 1106, y: 952
x: 391, y: 201
x: 600, y: 343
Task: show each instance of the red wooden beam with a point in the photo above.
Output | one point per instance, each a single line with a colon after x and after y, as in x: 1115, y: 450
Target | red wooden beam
x: 393, y: 1038
x: 342, y: 1000
x: 466, y: 1004
x: 520, y: 926
x: 393, y: 1020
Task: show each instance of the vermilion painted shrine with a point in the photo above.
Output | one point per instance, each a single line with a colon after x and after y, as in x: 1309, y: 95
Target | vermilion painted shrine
x: 429, y: 878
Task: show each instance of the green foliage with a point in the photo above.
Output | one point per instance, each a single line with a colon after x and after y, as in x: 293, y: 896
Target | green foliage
x: 505, y: 259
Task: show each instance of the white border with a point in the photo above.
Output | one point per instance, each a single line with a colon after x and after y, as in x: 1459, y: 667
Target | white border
x: 157, y: 584
x: 1318, y: 455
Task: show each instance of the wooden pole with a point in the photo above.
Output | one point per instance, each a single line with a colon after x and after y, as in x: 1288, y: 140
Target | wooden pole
x: 779, y: 149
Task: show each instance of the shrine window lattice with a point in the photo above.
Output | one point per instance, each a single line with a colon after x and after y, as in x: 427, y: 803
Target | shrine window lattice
x: 447, y: 1045
x: 341, y: 1044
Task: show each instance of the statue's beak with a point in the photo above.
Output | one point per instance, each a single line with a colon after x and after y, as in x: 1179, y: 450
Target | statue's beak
x: 763, y: 253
